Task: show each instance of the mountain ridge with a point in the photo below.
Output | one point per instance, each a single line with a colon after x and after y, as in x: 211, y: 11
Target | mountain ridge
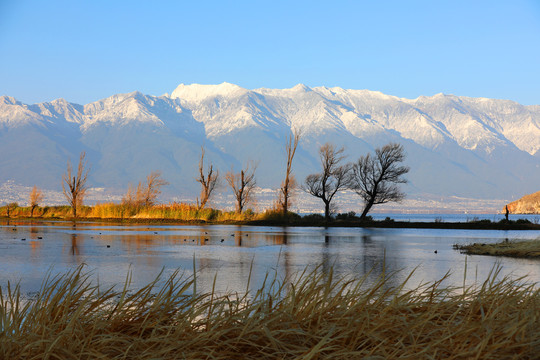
x: 457, y: 146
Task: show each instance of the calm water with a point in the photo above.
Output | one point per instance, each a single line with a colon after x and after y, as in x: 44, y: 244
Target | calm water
x: 231, y: 252
x: 454, y: 217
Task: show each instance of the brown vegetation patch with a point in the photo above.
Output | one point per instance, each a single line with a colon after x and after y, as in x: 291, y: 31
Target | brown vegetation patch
x: 311, y: 317
x: 522, y: 249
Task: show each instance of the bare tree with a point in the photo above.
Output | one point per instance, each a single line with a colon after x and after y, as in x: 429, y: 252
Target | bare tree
x: 10, y: 207
x: 242, y: 185
x: 208, y: 181
x: 148, y: 193
x: 375, y: 178
x: 129, y: 197
x: 289, y: 184
x: 331, y: 180
x: 36, y: 197
x: 74, y: 185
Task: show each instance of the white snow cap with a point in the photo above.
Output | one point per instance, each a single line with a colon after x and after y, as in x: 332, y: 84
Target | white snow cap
x: 198, y: 92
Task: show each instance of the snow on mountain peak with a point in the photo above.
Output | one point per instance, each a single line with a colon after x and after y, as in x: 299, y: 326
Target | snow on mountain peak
x: 457, y: 145
x: 8, y: 100
x: 199, y: 92
x: 60, y: 101
x: 301, y: 88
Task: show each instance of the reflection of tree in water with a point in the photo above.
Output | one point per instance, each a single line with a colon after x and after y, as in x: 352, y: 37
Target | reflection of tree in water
x: 74, y: 246
x: 374, y: 262
x: 138, y: 242
x: 33, y: 232
x: 206, y: 263
x: 143, y: 244
x: 238, y: 237
x: 282, y: 239
x: 366, y: 257
x: 204, y: 236
x: 35, y: 244
x: 325, y: 256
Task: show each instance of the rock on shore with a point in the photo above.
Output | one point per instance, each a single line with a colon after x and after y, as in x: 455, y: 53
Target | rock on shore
x: 528, y: 204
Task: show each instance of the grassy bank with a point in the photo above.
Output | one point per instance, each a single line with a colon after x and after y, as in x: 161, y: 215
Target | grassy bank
x: 113, y: 211
x: 521, y: 249
x: 312, y: 317
x: 183, y: 213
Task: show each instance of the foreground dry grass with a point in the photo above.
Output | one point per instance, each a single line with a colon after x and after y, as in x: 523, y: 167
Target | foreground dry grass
x: 312, y: 317
x: 522, y: 249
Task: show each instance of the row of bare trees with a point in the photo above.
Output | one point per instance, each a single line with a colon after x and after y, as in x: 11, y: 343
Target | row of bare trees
x: 374, y: 177
x: 243, y: 183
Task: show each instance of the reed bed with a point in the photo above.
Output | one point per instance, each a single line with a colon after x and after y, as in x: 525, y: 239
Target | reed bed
x: 313, y: 316
x: 190, y: 212
x: 62, y: 211
x: 171, y: 211
x: 521, y: 249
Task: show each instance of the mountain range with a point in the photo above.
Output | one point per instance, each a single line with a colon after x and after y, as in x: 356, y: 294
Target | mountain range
x: 456, y: 146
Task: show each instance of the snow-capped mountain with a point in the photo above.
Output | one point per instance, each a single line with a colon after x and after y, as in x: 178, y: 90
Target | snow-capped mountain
x: 456, y: 146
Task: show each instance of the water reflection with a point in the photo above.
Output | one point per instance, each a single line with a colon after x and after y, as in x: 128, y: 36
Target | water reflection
x: 74, y: 246
x: 236, y: 253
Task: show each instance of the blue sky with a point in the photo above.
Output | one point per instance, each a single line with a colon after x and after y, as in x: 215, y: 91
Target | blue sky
x: 87, y: 50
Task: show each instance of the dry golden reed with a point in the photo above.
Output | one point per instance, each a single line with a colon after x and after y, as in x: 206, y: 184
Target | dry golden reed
x: 314, y: 316
x: 171, y: 211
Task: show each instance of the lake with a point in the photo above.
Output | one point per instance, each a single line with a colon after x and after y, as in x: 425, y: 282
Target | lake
x: 232, y: 252
x: 535, y: 219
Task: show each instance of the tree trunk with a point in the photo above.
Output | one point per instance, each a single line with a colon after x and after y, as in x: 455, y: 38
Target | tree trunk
x: 74, y: 207
x: 327, y: 210
x: 285, y: 202
x: 239, y: 205
x: 366, y: 210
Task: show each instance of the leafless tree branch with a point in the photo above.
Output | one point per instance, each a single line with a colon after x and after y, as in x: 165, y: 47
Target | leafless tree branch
x: 242, y: 185
x: 36, y: 197
x: 208, y: 181
x: 375, y: 177
x: 74, y: 185
x: 148, y: 193
x: 289, y: 183
x: 331, y: 180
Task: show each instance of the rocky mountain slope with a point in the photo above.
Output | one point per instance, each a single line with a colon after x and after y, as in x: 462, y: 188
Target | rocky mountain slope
x: 528, y: 204
x: 456, y: 146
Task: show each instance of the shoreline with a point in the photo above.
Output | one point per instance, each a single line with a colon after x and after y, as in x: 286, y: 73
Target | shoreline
x: 519, y: 224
